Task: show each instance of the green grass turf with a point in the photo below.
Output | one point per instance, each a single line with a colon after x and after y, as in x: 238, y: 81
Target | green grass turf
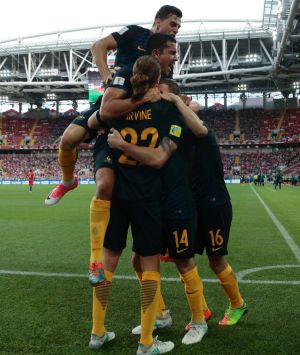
x: 52, y: 315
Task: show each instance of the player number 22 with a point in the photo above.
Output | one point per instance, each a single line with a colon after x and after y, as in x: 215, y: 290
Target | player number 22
x: 133, y: 135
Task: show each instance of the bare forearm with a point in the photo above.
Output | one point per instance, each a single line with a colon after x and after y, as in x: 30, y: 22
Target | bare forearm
x: 116, y: 108
x: 191, y: 119
x: 99, y: 52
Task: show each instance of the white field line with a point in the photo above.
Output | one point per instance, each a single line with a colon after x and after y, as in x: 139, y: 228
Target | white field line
x: 289, y: 240
x: 165, y: 279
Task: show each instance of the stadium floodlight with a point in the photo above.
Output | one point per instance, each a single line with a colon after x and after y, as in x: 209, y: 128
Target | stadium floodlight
x: 242, y: 87
x: 49, y: 72
x: 3, y: 99
x: 5, y: 73
x: 93, y: 69
x: 51, y: 96
x: 199, y: 63
x: 296, y: 85
x: 252, y: 57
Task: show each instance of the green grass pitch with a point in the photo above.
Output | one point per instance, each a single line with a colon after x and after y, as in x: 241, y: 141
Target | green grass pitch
x: 44, y: 314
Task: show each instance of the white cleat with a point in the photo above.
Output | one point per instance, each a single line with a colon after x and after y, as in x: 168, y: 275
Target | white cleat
x: 195, y: 333
x: 160, y: 322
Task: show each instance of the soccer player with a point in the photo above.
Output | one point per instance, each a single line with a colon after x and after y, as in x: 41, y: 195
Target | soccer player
x: 278, y: 180
x: 116, y: 102
x: 177, y: 214
x: 130, y: 43
x: 30, y: 176
x: 136, y: 202
x: 214, y: 212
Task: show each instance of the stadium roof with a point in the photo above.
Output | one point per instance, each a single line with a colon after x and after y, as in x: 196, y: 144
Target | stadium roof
x: 253, y: 55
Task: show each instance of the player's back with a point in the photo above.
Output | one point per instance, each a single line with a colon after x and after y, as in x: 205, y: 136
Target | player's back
x: 145, y: 126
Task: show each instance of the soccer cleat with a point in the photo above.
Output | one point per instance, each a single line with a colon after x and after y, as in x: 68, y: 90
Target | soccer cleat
x: 207, y: 314
x: 96, y: 342
x: 96, y: 273
x: 59, y: 191
x: 160, y: 322
x: 195, y: 333
x: 233, y: 315
x: 157, y: 347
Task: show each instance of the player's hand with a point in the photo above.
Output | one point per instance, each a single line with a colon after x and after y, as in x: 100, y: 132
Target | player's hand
x: 114, y: 139
x: 168, y: 96
x: 152, y: 95
x: 186, y: 99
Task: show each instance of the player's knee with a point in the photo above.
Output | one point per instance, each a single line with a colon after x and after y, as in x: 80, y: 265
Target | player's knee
x: 185, y: 265
x: 104, y: 188
x: 217, y: 263
x: 72, y: 137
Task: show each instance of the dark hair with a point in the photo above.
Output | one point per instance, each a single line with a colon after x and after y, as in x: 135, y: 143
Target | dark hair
x: 167, y: 10
x: 173, y: 86
x: 158, y: 41
x: 146, y: 72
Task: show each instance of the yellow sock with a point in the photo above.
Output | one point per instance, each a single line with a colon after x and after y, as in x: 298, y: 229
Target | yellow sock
x: 161, y: 303
x: 100, y: 299
x: 67, y: 160
x: 150, y: 288
x: 194, y: 291
x: 204, y: 304
x: 99, y: 218
x: 231, y: 287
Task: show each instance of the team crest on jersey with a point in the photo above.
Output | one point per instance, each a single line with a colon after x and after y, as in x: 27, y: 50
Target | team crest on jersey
x: 108, y: 159
x: 80, y: 117
x: 175, y: 131
x: 118, y: 80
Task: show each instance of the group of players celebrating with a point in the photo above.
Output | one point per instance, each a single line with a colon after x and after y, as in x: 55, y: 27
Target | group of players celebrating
x: 158, y: 170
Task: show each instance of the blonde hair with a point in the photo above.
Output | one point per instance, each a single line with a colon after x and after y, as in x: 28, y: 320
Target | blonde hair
x: 146, y: 73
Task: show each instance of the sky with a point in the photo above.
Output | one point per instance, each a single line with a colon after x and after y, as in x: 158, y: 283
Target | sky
x: 26, y: 17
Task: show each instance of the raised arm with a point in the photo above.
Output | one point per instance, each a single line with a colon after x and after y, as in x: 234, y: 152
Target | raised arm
x: 189, y: 117
x: 154, y: 157
x: 99, y: 50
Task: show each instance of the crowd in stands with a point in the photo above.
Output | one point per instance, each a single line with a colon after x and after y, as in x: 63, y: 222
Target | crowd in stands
x: 251, y: 128
x: 44, y: 164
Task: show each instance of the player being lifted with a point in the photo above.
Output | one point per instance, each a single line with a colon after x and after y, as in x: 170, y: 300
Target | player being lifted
x: 130, y: 43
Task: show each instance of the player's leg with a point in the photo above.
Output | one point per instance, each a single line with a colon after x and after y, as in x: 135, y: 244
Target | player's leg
x: 99, y: 335
x: 163, y: 318
x: 147, y: 243
x: 100, y: 207
x: 67, y: 157
x: 115, y: 242
x: 193, y: 287
x: 180, y: 236
x: 218, y: 222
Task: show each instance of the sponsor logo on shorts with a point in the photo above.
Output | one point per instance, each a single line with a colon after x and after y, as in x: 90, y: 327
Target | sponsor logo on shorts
x: 175, y: 131
x: 181, y: 250
x: 215, y: 249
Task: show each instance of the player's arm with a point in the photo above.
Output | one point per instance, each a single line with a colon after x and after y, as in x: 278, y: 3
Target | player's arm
x: 115, y: 102
x: 189, y: 117
x: 99, y: 50
x: 154, y: 157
